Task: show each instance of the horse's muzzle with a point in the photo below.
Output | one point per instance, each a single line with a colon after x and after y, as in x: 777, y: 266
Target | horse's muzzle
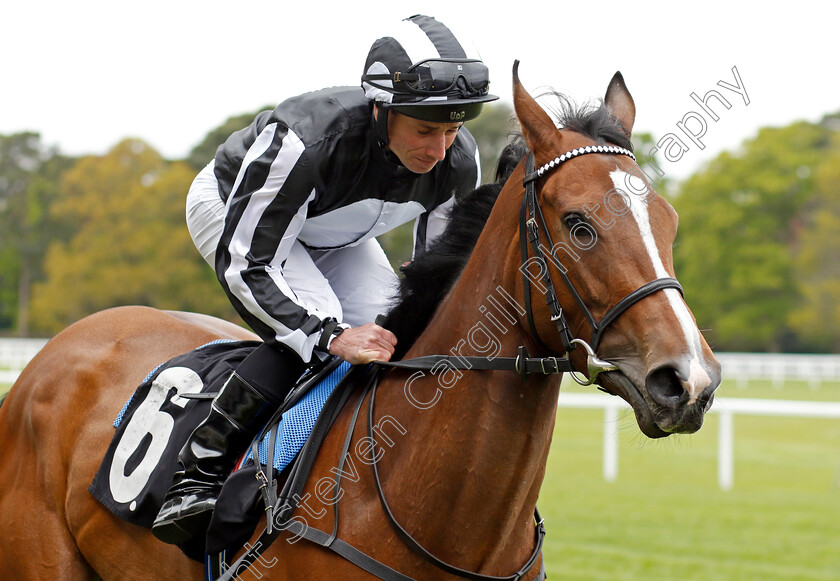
x: 662, y: 406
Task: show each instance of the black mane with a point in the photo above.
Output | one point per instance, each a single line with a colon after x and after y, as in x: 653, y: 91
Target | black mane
x: 593, y: 121
x: 428, y: 278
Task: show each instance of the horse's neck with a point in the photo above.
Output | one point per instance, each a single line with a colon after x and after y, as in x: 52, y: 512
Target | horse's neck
x: 475, y: 450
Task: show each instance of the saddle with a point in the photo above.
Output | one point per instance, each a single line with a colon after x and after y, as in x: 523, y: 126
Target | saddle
x: 159, y: 417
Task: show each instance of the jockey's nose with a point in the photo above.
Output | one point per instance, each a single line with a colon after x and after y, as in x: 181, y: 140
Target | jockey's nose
x: 437, y: 147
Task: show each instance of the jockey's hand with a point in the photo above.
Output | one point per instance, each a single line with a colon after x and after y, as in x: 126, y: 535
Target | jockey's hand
x: 364, y: 344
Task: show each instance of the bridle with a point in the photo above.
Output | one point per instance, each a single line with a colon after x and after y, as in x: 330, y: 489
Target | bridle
x: 531, y: 221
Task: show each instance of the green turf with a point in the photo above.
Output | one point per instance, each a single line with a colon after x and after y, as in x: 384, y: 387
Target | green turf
x: 665, y: 517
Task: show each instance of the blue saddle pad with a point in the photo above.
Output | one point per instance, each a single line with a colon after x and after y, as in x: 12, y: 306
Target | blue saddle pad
x: 297, y: 422
x: 239, y: 507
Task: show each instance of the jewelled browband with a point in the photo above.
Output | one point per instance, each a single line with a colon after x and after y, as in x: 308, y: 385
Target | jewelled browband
x: 582, y: 151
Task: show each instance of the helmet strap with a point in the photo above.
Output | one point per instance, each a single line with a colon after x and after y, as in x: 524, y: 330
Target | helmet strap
x: 381, y: 124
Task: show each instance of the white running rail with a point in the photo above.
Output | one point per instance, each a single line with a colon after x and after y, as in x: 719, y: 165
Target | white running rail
x: 779, y: 368
x: 726, y: 408
x: 14, y: 355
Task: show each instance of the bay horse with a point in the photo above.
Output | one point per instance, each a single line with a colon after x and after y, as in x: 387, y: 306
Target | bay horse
x: 459, y: 455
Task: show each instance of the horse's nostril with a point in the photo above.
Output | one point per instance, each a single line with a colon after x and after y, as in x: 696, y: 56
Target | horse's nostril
x: 665, y: 388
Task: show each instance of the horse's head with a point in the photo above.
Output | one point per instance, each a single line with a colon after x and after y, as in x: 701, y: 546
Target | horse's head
x: 607, y: 236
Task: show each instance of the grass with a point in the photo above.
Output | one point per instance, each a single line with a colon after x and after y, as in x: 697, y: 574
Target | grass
x: 665, y: 517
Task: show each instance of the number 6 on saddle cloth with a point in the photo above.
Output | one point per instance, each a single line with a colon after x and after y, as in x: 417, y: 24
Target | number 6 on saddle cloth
x: 157, y: 420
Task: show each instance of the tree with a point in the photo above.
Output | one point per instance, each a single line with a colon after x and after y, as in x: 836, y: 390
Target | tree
x: 492, y: 130
x: 29, y: 174
x: 816, y: 316
x: 650, y: 163
x: 130, y: 245
x: 741, y: 220
x: 205, y: 151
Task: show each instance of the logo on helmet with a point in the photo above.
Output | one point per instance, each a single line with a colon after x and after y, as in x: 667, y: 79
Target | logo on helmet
x: 457, y: 115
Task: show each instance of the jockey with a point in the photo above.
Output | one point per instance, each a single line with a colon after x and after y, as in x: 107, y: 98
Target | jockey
x: 287, y: 214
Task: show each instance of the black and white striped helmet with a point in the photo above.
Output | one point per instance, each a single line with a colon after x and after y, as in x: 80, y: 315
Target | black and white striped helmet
x: 423, y: 71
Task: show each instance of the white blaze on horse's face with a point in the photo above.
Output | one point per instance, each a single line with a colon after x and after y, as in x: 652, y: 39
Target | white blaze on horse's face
x: 637, y: 198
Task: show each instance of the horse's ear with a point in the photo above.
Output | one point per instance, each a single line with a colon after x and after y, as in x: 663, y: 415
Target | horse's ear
x: 536, y: 125
x: 620, y: 103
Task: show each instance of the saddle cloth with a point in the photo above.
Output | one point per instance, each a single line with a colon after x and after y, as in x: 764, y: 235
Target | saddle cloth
x: 159, y: 417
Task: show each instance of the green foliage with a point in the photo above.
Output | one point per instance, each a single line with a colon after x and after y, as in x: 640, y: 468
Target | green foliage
x: 741, y: 225
x: 492, y: 130
x: 650, y: 164
x: 28, y: 174
x: 816, y: 317
x: 398, y: 244
x: 130, y: 244
x: 205, y: 151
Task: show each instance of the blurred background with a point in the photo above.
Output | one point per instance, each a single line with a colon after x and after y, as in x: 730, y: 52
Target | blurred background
x: 108, y: 112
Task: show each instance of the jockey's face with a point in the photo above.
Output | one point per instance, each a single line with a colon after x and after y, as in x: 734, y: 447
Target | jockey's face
x: 419, y: 144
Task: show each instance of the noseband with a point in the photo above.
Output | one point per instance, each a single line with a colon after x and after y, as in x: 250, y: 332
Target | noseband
x: 531, y: 221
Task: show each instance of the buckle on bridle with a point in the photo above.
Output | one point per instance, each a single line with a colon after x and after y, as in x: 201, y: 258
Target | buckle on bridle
x: 533, y: 230
x: 594, y: 365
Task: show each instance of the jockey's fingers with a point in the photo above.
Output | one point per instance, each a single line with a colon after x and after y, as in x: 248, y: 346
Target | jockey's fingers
x: 369, y: 356
x: 364, y: 344
x: 389, y: 337
x: 378, y: 332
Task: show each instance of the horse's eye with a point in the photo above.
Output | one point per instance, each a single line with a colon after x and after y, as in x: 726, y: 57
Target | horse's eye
x: 581, y: 232
x: 573, y: 219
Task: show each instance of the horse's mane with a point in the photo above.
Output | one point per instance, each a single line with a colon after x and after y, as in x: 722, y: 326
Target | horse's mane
x: 591, y: 120
x: 430, y: 276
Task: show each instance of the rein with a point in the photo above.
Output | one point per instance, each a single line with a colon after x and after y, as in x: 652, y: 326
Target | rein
x: 522, y: 364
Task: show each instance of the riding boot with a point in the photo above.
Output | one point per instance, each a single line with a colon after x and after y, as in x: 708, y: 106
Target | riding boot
x: 237, y: 413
